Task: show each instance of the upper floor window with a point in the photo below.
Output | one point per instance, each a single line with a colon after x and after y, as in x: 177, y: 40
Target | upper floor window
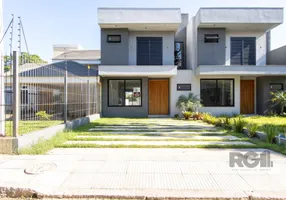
x: 211, y: 38
x: 113, y: 38
x: 179, y: 53
x: 149, y: 51
x: 243, y: 51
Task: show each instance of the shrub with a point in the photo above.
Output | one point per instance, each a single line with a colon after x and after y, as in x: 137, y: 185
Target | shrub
x: 43, y: 115
x: 227, y: 122
x: 198, y: 116
x: 189, y: 103
x: 235, y: 115
x: 176, y: 116
x: 187, y: 115
x: 218, y: 122
x: 239, y: 124
x: 252, y: 128
x: 206, y: 117
x: 271, y: 131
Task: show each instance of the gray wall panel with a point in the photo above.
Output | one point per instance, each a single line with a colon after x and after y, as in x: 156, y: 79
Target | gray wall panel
x: 114, y: 53
x: 211, y: 53
x: 263, y: 97
x: 125, y: 111
x: 277, y: 56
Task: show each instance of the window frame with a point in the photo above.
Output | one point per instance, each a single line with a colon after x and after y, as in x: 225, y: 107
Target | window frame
x: 189, y: 84
x: 225, y: 79
x: 183, y: 54
x: 149, y: 39
x: 112, y: 35
x: 242, y: 50
x: 124, y: 106
x: 211, y: 35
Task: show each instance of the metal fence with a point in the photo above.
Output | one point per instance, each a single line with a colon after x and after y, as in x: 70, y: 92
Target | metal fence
x: 37, y: 96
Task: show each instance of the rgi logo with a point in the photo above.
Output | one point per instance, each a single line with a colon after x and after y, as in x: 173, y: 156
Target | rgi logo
x: 250, y: 159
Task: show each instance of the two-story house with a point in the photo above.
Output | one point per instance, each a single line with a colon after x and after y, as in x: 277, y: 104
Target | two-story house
x: 149, y: 57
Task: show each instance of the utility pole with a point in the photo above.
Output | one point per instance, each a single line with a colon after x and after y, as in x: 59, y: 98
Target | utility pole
x: 2, y: 87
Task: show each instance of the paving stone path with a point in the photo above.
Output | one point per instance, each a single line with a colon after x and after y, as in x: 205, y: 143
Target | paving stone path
x: 157, y: 133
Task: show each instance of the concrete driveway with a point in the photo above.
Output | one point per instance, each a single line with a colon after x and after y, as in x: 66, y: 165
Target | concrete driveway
x: 172, y: 173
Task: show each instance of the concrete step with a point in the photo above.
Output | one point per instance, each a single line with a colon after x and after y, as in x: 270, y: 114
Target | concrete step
x: 157, y: 138
x: 160, y: 133
x: 157, y: 143
x: 150, y: 129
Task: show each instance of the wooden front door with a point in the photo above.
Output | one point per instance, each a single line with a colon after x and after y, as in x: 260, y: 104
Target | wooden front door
x: 247, y: 96
x: 158, y: 97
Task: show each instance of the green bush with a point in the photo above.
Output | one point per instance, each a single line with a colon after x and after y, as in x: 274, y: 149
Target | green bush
x: 227, y: 122
x: 218, y: 122
x: 271, y: 132
x: 187, y: 115
x: 252, y: 128
x: 176, y: 116
x: 239, y: 124
x: 43, y: 115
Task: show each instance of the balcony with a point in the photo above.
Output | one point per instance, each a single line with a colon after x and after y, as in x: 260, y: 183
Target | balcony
x: 242, y: 70
x: 259, y: 19
x: 140, y: 19
x: 137, y: 71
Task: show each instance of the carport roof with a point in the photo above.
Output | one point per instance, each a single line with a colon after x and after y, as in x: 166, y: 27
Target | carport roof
x: 57, y: 69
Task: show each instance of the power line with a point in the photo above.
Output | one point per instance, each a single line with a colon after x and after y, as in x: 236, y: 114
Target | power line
x: 22, y: 28
x: 7, y: 29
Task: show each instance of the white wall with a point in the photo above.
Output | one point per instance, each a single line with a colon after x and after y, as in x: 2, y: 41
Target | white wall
x: 183, y: 77
x: 261, y: 46
x: 168, y: 45
x: 219, y: 110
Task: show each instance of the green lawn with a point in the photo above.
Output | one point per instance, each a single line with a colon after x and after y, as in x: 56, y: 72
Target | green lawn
x: 29, y: 126
x: 279, y: 122
x: 59, y: 140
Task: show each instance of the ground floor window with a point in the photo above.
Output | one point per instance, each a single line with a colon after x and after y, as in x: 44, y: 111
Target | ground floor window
x: 124, y: 93
x: 217, y: 92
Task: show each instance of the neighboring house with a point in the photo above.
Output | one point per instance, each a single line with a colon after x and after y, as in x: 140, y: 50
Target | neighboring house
x: 76, y: 53
x: 149, y: 57
x: 42, y: 87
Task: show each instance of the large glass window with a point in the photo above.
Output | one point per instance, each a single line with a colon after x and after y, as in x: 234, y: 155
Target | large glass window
x: 217, y: 92
x: 179, y: 51
x: 124, y: 93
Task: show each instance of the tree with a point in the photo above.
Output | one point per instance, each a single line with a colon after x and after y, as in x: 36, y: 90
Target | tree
x: 189, y: 103
x: 23, y: 58
x: 279, y: 98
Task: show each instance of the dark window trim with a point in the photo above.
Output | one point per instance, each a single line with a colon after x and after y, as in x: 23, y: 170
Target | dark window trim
x: 124, y: 106
x: 183, y: 55
x: 281, y: 84
x: 226, y: 79
x: 211, y: 35
x: 162, y: 45
x: 113, y: 41
x: 242, y: 51
x: 184, y: 84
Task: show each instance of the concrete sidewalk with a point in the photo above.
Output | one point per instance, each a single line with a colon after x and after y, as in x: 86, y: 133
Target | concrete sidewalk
x: 172, y: 173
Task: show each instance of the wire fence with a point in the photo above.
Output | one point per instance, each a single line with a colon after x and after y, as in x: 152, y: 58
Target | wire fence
x: 48, y: 94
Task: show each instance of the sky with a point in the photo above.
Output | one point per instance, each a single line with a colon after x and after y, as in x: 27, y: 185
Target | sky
x: 49, y: 22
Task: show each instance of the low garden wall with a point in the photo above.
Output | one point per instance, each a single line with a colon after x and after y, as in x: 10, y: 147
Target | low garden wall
x: 9, y: 145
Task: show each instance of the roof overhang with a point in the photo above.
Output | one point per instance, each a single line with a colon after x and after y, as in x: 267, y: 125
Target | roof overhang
x: 213, y: 70
x: 259, y: 19
x: 137, y: 70
x: 140, y: 19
